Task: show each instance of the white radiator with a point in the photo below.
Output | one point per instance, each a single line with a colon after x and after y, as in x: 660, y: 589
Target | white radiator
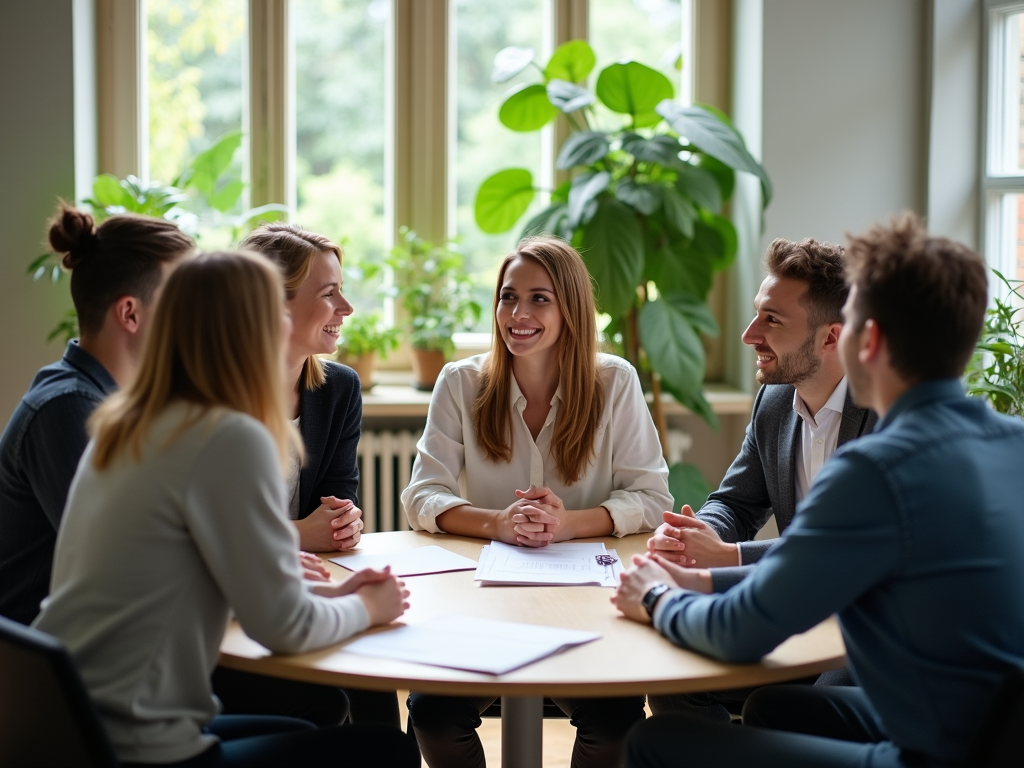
x: 385, y: 465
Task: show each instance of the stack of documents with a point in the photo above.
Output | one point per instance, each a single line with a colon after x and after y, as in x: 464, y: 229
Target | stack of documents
x: 565, y: 564
x: 409, y: 562
x: 475, y: 645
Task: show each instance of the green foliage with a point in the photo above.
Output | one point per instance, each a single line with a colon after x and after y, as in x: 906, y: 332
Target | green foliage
x: 207, y: 184
x: 644, y: 204
x: 996, y: 370
x: 432, y: 290
x: 364, y: 333
x: 688, y: 486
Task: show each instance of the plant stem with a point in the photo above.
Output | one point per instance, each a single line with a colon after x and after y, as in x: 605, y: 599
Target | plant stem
x: 660, y: 422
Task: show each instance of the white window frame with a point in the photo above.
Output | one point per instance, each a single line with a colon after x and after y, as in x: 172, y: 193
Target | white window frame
x: 999, y: 67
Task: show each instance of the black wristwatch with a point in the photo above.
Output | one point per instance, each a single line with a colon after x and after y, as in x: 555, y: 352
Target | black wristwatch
x: 651, y: 598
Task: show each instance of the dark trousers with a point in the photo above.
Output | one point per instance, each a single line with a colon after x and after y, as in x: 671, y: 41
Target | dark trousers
x: 446, y: 726
x: 255, y: 741
x: 246, y: 693
x: 785, y: 726
x: 721, y: 705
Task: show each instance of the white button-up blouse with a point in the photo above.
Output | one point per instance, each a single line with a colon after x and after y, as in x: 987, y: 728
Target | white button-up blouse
x: 627, y: 475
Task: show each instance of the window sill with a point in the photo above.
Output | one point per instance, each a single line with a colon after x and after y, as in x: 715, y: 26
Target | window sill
x: 393, y: 396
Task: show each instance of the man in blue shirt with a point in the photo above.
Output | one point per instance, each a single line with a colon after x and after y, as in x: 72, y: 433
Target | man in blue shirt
x: 912, y: 535
x: 117, y: 270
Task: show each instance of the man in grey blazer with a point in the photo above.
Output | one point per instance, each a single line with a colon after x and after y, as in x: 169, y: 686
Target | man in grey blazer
x: 801, y: 414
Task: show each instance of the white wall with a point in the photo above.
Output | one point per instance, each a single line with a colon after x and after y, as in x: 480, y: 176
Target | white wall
x: 845, y: 129
x: 37, y: 161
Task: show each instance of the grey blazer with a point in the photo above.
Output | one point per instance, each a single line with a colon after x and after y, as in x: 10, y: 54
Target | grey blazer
x: 762, y: 478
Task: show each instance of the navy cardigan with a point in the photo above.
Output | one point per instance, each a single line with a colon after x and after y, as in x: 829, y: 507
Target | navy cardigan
x: 331, y: 422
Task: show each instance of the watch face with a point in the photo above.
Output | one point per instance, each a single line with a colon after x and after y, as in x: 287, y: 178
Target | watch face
x: 651, y: 598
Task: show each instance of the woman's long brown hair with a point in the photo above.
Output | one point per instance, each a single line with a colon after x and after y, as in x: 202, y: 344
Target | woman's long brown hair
x: 572, y: 443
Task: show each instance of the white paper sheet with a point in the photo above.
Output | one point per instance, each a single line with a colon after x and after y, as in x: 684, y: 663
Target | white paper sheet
x: 563, y: 564
x: 475, y: 645
x: 409, y: 562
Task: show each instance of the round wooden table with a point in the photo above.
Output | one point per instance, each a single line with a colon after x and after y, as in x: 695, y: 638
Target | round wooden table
x: 629, y: 659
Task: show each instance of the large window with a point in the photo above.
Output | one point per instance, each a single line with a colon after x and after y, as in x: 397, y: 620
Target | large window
x: 1004, y: 162
x: 350, y: 81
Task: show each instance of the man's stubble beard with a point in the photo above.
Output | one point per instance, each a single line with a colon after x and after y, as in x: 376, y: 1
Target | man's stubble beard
x: 795, y: 367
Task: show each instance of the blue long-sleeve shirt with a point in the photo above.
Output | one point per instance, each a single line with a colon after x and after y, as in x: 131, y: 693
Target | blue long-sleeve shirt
x: 914, y: 536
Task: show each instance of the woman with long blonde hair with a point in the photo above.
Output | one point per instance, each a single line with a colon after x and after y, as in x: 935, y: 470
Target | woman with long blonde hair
x: 177, y: 518
x: 542, y: 439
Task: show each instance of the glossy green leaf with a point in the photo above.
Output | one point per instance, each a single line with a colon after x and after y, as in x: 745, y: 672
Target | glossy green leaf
x: 724, y: 175
x: 698, y: 405
x: 688, y: 486
x: 612, y: 247
x: 509, y: 62
x: 568, y: 97
x: 683, y: 266
x: 644, y: 198
x: 696, y: 311
x: 632, y: 88
x: 547, y: 222
x: 107, y: 191
x: 729, y: 241
x: 714, y: 137
x: 211, y: 164
x: 502, y: 199
x: 224, y: 199
x: 571, y: 61
x: 673, y: 347
x: 560, y: 194
x: 527, y: 108
x: 679, y: 212
x: 663, y: 150
x: 585, y: 188
x: 700, y: 186
x: 582, y: 148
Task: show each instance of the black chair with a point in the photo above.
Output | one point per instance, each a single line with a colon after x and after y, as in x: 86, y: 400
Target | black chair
x: 1000, y: 743
x: 46, y: 715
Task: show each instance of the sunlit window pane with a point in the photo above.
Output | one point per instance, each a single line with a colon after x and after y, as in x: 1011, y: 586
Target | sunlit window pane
x: 481, y: 145
x: 652, y: 32
x: 1006, y: 235
x: 339, y: 122
x: 194, y: 51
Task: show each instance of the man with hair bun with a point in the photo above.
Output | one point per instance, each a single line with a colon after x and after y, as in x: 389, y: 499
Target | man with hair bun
x: 117, y: 270
x: 911, y: 535
x: 801, y: 414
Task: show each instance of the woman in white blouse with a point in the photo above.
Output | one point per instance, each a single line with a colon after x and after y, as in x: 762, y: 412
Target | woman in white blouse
x: 177, y: 518
x: 543, y: 439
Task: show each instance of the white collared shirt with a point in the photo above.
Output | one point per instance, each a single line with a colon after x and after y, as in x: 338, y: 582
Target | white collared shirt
x: 819, y: 435
x: 627, y: 475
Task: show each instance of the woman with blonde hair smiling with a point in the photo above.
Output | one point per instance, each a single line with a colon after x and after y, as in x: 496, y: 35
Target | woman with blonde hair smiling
x: 551, y: 441
x: 177, y: 517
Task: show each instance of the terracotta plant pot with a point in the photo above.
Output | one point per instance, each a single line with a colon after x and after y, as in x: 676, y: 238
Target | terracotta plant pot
x: 426, y: 365
x: 364, y: 366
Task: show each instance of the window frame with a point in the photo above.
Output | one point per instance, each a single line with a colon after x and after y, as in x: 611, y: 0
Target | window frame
x: 996, y: 184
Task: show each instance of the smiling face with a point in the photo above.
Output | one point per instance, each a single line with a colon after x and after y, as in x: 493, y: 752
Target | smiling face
x: 528, y: 316
x: 317, y: 309
x: 787, y: 349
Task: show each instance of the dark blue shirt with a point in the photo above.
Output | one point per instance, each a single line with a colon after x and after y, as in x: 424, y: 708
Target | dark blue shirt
x: 39, y: 453
x: 914, y: 536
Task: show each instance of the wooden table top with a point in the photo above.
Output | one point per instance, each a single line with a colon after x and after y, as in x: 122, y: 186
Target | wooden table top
x: 629, y: 659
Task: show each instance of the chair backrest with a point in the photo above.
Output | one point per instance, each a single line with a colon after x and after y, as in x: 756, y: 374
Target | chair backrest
x: 46, y: 715
x: 1000, y: 743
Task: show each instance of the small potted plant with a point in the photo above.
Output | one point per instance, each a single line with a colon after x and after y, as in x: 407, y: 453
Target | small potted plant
x: 433, y: 293
x: 996, y: 371
x: 363, y: 339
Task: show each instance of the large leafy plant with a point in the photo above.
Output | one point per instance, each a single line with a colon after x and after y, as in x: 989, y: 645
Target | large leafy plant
x: 996, y: 371
x: 201, y: 200
x: 644, y: 204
